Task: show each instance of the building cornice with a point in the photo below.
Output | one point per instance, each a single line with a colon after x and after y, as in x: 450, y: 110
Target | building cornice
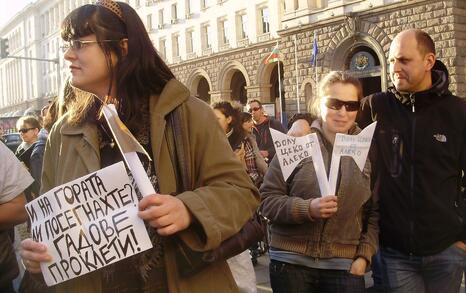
x: 373, y: 11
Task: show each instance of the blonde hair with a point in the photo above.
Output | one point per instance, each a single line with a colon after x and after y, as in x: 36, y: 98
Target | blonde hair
x: 331, y: 78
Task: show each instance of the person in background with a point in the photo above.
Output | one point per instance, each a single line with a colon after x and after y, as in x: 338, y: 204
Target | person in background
x: 228, y: 118
x: 31, y: 151
x: 421, y: 159
x: 322, y: 242
x: 110, y: 55
x: 248, y: 125
x: 262, y: 125
x: 14, y: 179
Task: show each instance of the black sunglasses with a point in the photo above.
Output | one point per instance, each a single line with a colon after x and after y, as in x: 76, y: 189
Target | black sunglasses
x: 254, y: 109
x: 336, y: 104
x: 24, y: 130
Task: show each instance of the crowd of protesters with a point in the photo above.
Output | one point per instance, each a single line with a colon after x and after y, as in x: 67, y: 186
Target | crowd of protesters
x: 219, y: 184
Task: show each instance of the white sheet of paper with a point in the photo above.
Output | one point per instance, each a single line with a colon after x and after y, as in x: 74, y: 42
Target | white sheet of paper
x: 88, y: 223
x: 291, y: 150
x: 355, y: 146
x: 131, y: 158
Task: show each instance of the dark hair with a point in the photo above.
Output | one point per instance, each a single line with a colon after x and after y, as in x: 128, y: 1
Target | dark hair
x: 139, y: 74
x: 255, y: 101
x: 298, y: 116
x: 425, y: 44
x: 228, y: 110
x: 245, y: 117
x: 329, y: 79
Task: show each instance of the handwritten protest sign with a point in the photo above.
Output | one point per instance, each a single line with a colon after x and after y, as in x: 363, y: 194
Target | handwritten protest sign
x: 291, y: 150
x: 88, y: 223
x: 355, y: 146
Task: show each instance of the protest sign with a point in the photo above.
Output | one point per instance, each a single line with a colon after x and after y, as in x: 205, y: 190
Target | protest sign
x: 355, y: 146
x: 129, y: 147
x: 88, y: 223
x: 291, y: 150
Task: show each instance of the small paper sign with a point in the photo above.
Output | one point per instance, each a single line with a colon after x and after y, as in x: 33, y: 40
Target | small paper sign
x: 292, y: 150
x: 88, y: 223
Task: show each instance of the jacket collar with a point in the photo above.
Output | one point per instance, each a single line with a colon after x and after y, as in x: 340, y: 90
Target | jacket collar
x: 173, y: 94
x: 439, y: 89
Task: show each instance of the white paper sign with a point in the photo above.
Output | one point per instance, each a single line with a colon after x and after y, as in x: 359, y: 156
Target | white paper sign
x: 355, y: 146
x: 88, y: 223
x: 291, y: 150
x: 128, y: 147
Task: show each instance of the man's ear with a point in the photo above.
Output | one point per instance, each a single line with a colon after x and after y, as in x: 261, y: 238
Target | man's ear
x: 124, y: 47
x: 429, y: 61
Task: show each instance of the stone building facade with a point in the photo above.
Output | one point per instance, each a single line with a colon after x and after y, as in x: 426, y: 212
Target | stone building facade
x: 357, y: 41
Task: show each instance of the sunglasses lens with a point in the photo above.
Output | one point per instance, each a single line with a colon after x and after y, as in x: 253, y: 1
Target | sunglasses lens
x: 352, y: 106
x: 336, y: 104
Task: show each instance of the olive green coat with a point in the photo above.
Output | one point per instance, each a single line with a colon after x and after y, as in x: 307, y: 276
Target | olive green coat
x: 223, y: 198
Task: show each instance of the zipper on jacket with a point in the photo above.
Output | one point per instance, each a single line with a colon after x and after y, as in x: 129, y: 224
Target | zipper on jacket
x: 412, y: 99
x: 411, y: 189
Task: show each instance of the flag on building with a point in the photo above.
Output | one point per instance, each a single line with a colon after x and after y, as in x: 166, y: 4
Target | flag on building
x: 274, y: 56
x: 315, y: 51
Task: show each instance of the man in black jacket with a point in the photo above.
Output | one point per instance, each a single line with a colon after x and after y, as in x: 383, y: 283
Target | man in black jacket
x: 421, y: 146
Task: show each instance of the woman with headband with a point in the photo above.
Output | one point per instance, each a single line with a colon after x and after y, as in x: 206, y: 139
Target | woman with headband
x: 110, y: 55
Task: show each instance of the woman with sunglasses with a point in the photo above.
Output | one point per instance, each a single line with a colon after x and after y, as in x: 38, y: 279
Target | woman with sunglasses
x: 109, y: 54
x: 320, y: 242
x: 31, y: 151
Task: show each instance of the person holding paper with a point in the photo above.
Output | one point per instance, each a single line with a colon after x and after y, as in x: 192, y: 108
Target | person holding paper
x: 322, y: 242
x: 14, y: 179
x: 110, y: 54
x: 421, y: 147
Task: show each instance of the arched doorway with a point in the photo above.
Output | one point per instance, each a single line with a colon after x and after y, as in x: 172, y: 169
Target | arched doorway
x: 199, y: 84
x: 203, y: 89
x: 237, y: 87
x: 362, y: 62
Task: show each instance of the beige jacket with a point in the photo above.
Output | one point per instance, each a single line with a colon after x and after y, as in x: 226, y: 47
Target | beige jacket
x: 223, y: 198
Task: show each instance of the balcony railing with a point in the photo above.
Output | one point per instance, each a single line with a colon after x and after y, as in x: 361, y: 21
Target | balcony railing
x: 191, y: 55
x: 224, y: 47
x: 264, y: 37
x: 206, y: 51
x: 243, y: 42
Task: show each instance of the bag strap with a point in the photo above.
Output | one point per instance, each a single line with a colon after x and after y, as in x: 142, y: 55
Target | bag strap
x: 177, y: 149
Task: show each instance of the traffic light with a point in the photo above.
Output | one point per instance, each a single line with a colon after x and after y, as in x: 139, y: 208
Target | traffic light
x: 4, y: 49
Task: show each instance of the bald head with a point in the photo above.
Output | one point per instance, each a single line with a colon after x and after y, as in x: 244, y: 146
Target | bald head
x: 411, y: 57
x: 424, y: 42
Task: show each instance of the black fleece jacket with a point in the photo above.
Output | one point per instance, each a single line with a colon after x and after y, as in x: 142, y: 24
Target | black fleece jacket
x: 420, y: 144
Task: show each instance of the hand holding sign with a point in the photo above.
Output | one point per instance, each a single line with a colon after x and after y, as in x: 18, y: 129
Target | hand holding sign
x: 292, y: 150
x: 86, y: 224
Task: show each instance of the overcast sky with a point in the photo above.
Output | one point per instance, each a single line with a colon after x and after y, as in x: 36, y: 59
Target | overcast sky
x: 10, y: 7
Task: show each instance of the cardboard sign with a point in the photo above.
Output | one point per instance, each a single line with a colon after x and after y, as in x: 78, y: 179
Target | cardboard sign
x: 292, y: 150
x: 88, y: 223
